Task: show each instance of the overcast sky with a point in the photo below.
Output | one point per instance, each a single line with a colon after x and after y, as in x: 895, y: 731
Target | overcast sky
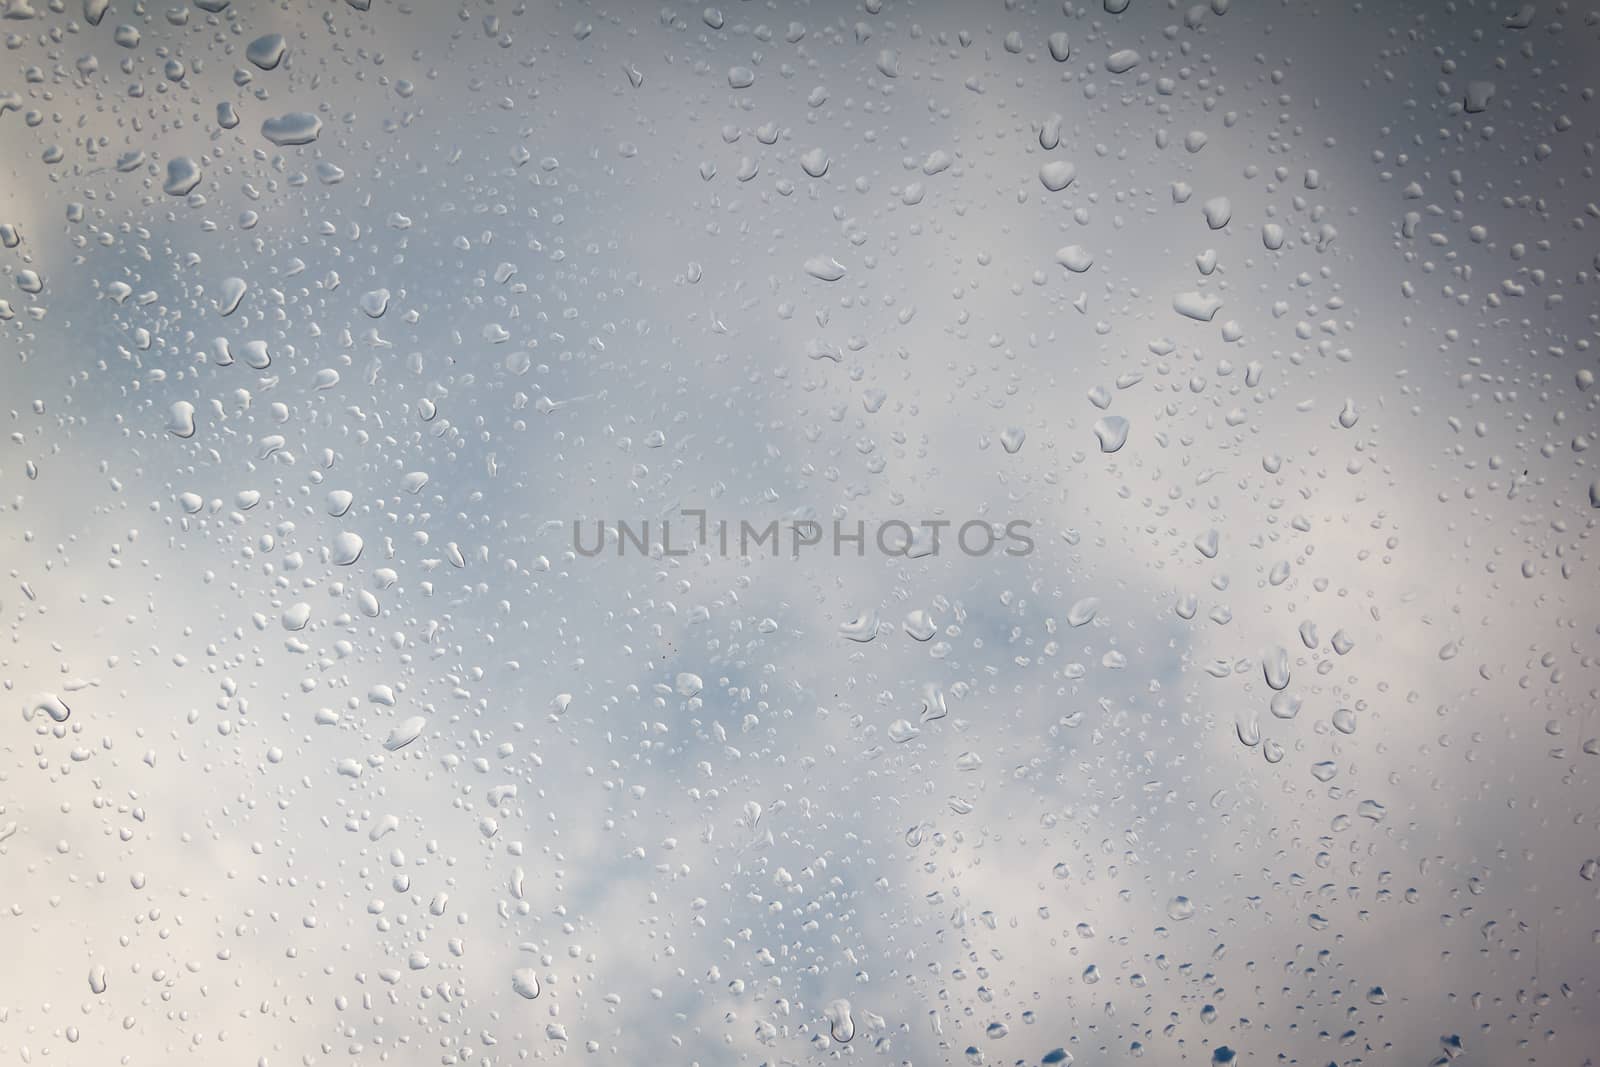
x: 321, y: 327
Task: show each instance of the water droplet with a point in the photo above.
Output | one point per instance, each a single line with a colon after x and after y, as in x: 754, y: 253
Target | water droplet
x: 256, y: 355
x: 900, y: 731
x: 920, y: 625
x: 525, y: 983
x: 1478, y: 95
x: 824, y: 268
x: 1083, y: 611
x: 862, y: 628
x: 267, y: 51
x: 346, y: 548
x: 1275, y: 666
x: 1202, y: 307
x: 841, y: 1027
x: 180, y: 419
x: 1057, y: 174
x: 1248, y: 727
x: 233, y: 290
x: 405, y: 732
x: 1285, y: 705
x: 183, y: 174
x: 1111, y: 432
x: 49, y: 704
x: 1122, y: 61
x: 292, y: 128
x: 1075, y: 258
x: 374, y: 303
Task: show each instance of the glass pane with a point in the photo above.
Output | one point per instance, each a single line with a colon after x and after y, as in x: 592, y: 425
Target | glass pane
x: 978, y: 533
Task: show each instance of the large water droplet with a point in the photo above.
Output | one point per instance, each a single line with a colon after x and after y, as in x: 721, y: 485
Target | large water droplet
x: 292, y: 128
x: 49, y: 704
x: 405, y: 732
x: 525, y: 983
x: 183, y: 174
x: 1112, y: 433
x: 841, y: 1026
x: 267, y: 51
x: 1057, y: 174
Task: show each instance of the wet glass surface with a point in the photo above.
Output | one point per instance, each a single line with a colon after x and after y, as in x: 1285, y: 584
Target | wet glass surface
x: 974, y: 533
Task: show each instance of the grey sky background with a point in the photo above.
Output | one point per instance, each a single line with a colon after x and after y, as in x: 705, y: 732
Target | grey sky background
x: 593, y: 226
